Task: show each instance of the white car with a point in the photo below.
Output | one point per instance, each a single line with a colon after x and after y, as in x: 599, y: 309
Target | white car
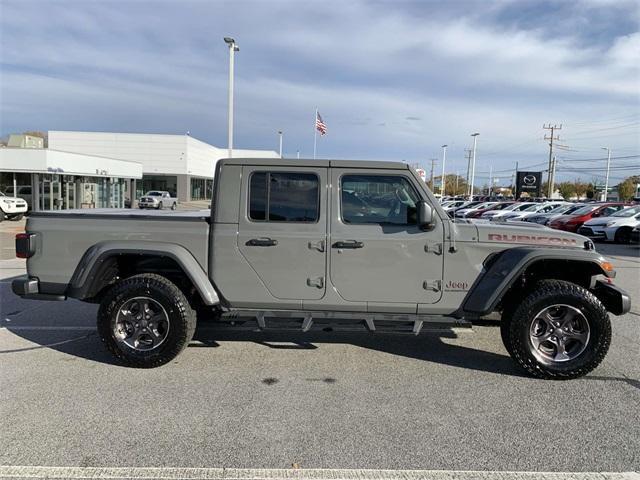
x: 615, y: 228
x: 12, y: 208
x: 531, y: 211
x: 158, y: 199
x: 498, y: 214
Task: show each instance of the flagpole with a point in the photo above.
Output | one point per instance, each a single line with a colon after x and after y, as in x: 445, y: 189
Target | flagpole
x: 315, y: 134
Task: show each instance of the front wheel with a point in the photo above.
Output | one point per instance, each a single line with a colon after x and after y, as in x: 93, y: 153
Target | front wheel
x: 560, y: 331
x: 17, y: 218
x: 173, y: 206
x: 145, y: 321
x: 623, y: 235
x: 160, y: 206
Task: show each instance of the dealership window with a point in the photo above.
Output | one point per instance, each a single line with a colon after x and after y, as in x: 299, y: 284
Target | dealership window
x: 201, y: 188
x: 284, y: 197
x: 378, y: 199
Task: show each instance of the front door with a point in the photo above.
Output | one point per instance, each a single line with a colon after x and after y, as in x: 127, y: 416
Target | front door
x: 283, y: 228
x: 378, y: 253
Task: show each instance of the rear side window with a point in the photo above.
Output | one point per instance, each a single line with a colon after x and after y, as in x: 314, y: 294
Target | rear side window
x: 284, y: 197
x: 378, y: 199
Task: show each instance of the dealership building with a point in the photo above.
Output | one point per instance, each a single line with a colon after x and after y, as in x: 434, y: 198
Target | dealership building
x: 99, y: 169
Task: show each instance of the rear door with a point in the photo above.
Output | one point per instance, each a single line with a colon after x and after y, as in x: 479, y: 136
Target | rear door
x: 283, y: 228
x: 378, y: 253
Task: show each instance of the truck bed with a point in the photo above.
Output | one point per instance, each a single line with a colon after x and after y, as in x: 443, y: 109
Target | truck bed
x: 64, y: 237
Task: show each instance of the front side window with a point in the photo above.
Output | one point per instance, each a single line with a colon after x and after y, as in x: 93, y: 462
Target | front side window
x: 378, y: 199
x: 284, y: 197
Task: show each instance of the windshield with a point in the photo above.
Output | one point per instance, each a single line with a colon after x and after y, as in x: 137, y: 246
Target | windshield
x: 532, y: 208
x: 586, y: 209
x: 154, y: 194
x: 562, y: 209
x: 627, y: 212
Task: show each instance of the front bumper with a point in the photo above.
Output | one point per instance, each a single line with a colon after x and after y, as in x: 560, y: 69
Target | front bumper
x: 29, y: 288
x: 616, y: 300
x: 13, y: 208
x: 148, y: 204
x: 592, y: 232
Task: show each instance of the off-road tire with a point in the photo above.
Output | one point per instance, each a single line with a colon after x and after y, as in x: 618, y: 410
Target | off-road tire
x: 623, y: 235
x: 505, y: 325
x: 182, y: 319
x: 554, y: 292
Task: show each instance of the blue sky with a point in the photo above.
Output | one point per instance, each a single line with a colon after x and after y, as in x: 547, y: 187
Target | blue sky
x: 392, y: 79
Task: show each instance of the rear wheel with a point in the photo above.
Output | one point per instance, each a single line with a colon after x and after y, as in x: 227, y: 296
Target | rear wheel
x: 559, y: 331
x: 623, y: 235
x: 173, y: 206
x: 145, y: 321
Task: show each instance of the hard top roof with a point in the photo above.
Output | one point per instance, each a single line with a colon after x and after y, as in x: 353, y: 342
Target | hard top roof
x: 303, y: 162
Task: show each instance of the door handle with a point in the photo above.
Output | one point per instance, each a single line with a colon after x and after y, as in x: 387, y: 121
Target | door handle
x: 262, y: 242
x: 348, y: 244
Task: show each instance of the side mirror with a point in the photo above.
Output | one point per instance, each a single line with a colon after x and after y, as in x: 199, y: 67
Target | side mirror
x: 425, y: 215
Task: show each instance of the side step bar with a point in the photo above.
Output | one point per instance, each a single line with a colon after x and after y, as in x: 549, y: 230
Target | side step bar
x: 340, y: 321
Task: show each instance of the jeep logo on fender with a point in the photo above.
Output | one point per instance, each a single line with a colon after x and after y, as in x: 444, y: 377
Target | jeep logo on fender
x: 531, y: 239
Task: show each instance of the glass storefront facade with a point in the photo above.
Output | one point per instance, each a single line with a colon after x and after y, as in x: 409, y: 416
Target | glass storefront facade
x: 61, y: 192
x: 201, y: 188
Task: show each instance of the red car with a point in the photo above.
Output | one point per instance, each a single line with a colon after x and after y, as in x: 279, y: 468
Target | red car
x: 498, y: 206
x: 571, y: 223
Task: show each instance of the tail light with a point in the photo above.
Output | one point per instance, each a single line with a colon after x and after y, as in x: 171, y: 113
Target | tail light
x: 25, y: 245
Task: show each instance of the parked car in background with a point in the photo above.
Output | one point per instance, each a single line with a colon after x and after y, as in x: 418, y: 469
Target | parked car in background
x: 454, y: 205
x: 23, y: 191
x: 158, y: 199
x: 498, y: 214
x: 545, y: 218
x: 465, y: 211
x: 635, y: 234
x: 494, y: 206
x: 465, y: 205
x: 12, y: 208
x: 571, y: 223
x: 616, y: 228
x: 522, y: 215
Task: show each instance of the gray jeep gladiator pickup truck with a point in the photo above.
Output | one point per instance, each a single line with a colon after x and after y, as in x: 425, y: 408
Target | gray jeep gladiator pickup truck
x: 313, y: 243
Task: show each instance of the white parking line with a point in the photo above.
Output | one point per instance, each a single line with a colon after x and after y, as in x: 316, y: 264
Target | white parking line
x: 73, y: 473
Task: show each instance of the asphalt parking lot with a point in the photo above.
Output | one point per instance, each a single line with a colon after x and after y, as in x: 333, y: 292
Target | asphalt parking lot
x: 450, y: 400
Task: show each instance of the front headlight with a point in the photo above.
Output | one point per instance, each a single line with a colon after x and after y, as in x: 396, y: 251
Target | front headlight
x: 8, y: 201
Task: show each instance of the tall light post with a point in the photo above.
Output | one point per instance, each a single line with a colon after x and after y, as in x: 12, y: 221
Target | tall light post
x: 473, y: 163
x: 280, y: 136
x: 606, y: 179
x: 444, y: 159
x: 233, y: 48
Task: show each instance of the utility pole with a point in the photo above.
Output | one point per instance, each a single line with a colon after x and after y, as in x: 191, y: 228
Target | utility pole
x: 606, y: 179
x: 468, y: 179
x: 433, y: 164
x: 298, y: 154
x: 280, y: 137
x: 444, y: 159
x: 551, y: 138
x: 473, y: 163
x: 233, y: 48
x: 490, y: 192
x: 515, y: 179
x: 552, y: 181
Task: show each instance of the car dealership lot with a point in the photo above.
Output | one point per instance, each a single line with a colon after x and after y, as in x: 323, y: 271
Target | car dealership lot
x: 449, y: 400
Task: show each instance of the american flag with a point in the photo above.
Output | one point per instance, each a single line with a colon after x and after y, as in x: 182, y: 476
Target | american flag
x: 320, y: 126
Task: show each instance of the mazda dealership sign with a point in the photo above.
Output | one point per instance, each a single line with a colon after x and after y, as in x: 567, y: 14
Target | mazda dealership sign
x: 529, y: 183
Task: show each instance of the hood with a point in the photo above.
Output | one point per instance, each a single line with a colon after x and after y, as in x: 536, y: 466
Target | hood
x: 528, y: 234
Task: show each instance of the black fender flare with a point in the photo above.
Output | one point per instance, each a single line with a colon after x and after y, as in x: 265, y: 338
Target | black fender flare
x: 82, y: 282
x: 503, y: 269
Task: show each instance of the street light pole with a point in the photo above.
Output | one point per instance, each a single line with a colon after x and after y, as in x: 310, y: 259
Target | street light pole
x: 473, y: 164
x: 606, y: 179
x: 280, y: 135
x: 232, y: 49
x: 444, y: 159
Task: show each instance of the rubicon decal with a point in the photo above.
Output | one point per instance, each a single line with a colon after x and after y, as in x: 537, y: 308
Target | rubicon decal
x: 532, y: 239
